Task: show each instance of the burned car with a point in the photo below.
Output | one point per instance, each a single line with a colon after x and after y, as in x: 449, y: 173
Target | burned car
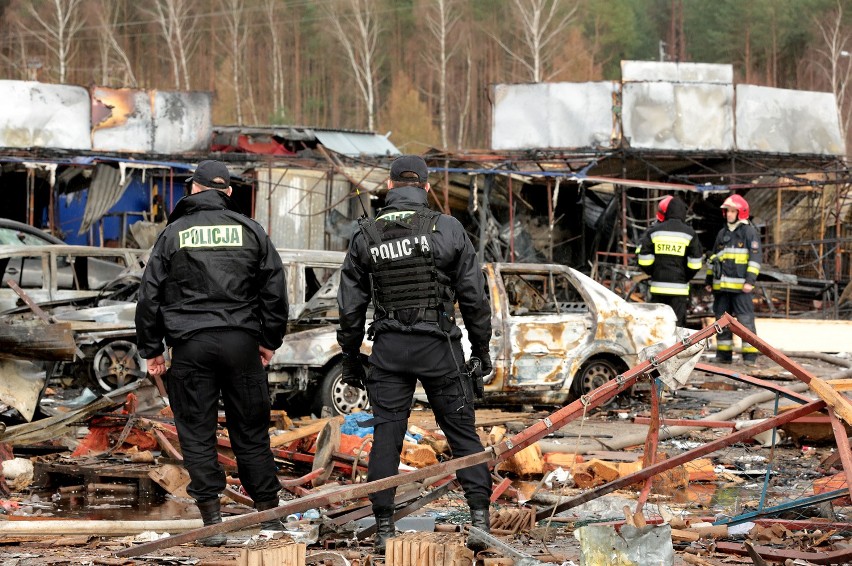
x: 46, y: 328
x: 556, y: 334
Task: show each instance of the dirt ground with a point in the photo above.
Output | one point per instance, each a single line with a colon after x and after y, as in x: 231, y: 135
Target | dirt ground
x: 704, y: 395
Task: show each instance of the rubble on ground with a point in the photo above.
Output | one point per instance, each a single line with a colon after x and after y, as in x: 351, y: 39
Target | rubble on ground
x: 103, y: 481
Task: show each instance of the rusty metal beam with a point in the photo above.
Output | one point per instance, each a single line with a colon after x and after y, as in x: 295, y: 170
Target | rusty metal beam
x: 841, y: 556
x: 649, y: 457
x: 832, y: 398
x: 688, y: 456
x: 745, y: 378
x: 842, y: 447
x: 492, y: 455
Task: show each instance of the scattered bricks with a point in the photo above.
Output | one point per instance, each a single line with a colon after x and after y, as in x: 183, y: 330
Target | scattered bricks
x: 428, y: 549
x: 832, y: 483
x: 594, y: 473
x: 553, y: 460
x: 668, y: 482
x: 280, y: 551
x: 701, y: 469
x: 525, y: 463
x: 512, y: 521
x: 418, y: 455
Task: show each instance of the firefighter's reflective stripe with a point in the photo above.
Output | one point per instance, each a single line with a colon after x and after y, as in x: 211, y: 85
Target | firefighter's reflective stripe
x: 667, y: 242
x: 749, y: 349
x: 753, y: 267
x: 665, y: 288
x: 725, y: 345
x: 646, y: 259
x: 693, y: 262
x: 738, y: 255
x: 728, y: 284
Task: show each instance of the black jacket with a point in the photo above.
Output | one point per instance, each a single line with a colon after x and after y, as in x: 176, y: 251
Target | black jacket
x: 670, y: 252
x: 211, y: 268
x: 736, y: 258
x: 454, y: 256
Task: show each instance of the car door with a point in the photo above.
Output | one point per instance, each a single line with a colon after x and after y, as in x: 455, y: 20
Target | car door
x: 546, y: 320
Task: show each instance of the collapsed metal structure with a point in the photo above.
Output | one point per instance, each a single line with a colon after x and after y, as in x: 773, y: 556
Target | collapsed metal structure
x: 839, y: 407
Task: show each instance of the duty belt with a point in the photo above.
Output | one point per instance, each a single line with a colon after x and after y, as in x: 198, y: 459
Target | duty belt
x: 425, y: 315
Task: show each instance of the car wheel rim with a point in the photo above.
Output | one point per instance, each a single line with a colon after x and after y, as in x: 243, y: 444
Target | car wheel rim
x: 596, y: 375
x: 346, y: 398
x: 117, y: 364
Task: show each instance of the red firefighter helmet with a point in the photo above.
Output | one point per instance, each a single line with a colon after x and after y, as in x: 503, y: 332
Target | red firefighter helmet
x: 739, y: 204
x: 663, y: 207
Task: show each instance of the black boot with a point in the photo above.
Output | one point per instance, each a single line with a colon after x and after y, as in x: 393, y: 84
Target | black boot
x: 385, y: 529
x: 211, y: 515
x: 480, y: 519
x: 271, y: 524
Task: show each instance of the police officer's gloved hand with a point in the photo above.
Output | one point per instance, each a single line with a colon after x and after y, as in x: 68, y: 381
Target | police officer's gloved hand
x: 353, y: 371
x: 482, y: 352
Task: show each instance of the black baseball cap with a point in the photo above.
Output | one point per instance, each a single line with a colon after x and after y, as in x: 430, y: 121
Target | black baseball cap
x: 409, y: 164
x: 208, y: 170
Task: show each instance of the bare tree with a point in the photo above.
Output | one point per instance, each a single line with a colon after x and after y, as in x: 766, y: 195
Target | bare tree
x: 175, y: 19
x: 277, y: 62
x: 56, y: 30
x: 466, y: 97
x: 541, y: 23
x: 355, y: 24
x: 109, y: 15
x: 835, y: 61
x: 236, y: 43
x: 441, y: 20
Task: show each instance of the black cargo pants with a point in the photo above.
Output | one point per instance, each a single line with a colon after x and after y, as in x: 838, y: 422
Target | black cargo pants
x: 391, y: 396
x: 203, y: 366
x: 741, y: 306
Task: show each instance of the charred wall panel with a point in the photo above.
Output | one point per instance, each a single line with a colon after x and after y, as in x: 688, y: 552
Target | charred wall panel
x: 127, y: 120
x: 653, y: 71
x: 44, y: 115
x: 555, y: 115
x: 182, y: 121
x: 678, y: 116
x: 292, y: 205
x: 787, y: 121
x: 121, y: 120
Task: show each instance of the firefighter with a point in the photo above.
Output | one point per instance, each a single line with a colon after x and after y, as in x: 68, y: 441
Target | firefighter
x: 731, y: 274
x: 415, y: 264
x: 214, y: 289
x: 670, y: 253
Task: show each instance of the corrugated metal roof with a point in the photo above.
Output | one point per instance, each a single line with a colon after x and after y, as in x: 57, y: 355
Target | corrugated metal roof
x: 354, y: 144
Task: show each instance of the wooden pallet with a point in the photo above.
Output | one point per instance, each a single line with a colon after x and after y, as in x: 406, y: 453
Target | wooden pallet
x: 92, y: 471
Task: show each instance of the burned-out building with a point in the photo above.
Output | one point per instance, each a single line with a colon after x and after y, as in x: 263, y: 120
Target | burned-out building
x: 573, y: 175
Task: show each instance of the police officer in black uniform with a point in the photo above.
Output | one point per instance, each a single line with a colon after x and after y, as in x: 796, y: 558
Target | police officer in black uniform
x: 670, y: 253
x: 214, y: 289
x: 415, y: 264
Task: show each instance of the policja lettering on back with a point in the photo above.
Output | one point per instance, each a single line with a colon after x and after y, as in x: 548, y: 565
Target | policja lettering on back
x: 211, y: 236
x: 396, y: 249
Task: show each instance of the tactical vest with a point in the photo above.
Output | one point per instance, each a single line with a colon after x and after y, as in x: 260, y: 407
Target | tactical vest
x: 403, y: 273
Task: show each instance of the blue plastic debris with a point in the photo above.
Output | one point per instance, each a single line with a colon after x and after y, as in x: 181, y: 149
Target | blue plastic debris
x: 350, y: 424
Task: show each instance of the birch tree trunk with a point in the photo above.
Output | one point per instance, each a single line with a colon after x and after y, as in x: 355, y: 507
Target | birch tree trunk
x: 835, y: 61
x: 233, y: 16
x: 108, y: 16
x: 441, y: 20
x: 541, y: 22
x: 355, y: 25
x: 57, y: 30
